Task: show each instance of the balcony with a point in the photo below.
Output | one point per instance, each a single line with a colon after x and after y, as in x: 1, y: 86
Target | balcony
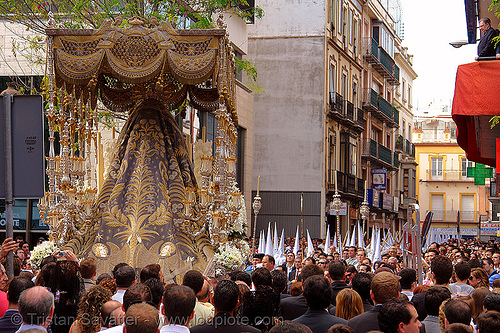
x: 395, y: 113
x: 380, y: 60
x: 395, y: 160
x: 336, y: 103
x: 451, y: 216
x: 407, y: 147
x: 447, y: 175
x: 349, y: 112
x: 359, y: 124
x: 378, y: 153
x: 380, y: 108
x: 370, y: 100
x: 399, y: 144
x: 348, y: 185
x: 384, y: 154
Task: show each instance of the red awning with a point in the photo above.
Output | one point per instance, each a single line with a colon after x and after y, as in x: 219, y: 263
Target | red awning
x: 476, y: 100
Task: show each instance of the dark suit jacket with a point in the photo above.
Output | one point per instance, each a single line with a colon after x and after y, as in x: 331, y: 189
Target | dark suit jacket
x: 337, y: 286
x: 293, y: 273
x: 418, y: 302
x: 292, y: 307
x: 367, y: 306
x: 485, y: 48
x: 223, y: 322
x: 319, y: 321
x: 10, y: 322
x: 366, y: 322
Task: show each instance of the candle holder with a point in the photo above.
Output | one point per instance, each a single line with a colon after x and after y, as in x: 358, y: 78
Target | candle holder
x: 337, y: 204
x: 217, y: 202
x: 256, y: 205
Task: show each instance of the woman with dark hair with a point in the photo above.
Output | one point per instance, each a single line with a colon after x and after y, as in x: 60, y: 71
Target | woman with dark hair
x: 67, y: 286
x: 478, y: 295
x: 151, y: 271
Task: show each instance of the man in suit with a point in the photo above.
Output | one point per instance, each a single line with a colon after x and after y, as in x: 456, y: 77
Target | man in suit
x: 361, y: 283
x: 398, y: 316
x: 486, y: 47
x: 432, y: 301
x: 384, y: 286
x: 178, y: 309
x: 336, y: 270
x: 36, y: 306
x: 226, y: 296
x: 318, y: 293
x: 289, y: 266
x: 295, y: 306
x: 11, y: 321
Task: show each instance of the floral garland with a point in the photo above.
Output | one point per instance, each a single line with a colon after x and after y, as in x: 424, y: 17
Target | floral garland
x: 42, y: 251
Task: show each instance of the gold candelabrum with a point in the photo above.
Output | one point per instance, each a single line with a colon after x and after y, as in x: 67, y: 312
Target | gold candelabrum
x: 217, y: 202
x: 66, y: 206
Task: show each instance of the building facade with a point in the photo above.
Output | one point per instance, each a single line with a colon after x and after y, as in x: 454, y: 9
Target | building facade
x: 443, y: 186
x: 331, y: 115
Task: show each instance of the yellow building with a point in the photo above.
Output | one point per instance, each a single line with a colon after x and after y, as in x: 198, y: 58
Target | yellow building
x: 442, y: 185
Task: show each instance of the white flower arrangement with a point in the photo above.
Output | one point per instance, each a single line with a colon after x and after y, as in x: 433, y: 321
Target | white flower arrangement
x: 41, y: 251
x: 228, y: 256
x: 238, y: 228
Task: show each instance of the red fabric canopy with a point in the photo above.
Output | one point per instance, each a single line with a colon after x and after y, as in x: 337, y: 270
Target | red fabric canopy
x: 476, y: 100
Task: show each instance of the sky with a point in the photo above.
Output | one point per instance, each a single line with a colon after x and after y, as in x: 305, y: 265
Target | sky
x: 429, y: 27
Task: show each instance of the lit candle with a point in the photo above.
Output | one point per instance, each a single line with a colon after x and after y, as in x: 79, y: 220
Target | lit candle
x: 301, y: 201
x: 258, y: 185
x: 366, y: 188
x: 335, y: 171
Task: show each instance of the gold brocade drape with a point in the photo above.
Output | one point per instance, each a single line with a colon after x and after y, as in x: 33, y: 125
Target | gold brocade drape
x: 138, y: 215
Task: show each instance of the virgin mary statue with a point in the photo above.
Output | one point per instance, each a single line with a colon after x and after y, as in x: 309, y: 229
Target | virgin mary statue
x: 145, y: 71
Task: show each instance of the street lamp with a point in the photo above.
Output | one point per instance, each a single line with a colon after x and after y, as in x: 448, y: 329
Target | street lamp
x: 459, y: 43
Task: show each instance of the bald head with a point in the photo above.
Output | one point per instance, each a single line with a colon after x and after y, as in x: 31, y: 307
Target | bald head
x: 112, y: 314
x: 36, y: 306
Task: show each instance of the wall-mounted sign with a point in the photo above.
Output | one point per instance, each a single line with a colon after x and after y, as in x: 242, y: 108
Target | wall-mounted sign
x: 379, y: 179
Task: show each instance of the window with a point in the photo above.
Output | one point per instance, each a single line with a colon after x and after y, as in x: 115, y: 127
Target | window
x: 239, y: 56
x: 353, y: 154
x: 467, y: 207
x: 344, y: 86
x: 403, y: 89
x: 345, y: 28
x: 384, y: 39
x: 437, y: 206
x: 464, y: 165
x: 409, y: 95
x: 354, y: 35
x: 240, y: 158
x: 332, y: 78
x: 333, y: 7
x: 351, y: 27
x: 436, y: 168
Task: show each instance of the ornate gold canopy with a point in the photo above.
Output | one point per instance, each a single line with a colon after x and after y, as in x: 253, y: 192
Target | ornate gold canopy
x: 124, y: 66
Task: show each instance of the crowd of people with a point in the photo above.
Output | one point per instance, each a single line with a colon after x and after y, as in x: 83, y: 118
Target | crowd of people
x: 326, y: 292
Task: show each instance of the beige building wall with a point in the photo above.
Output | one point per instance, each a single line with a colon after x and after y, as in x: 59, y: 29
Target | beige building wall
x: 244, y: 106
x: 453, y: 185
